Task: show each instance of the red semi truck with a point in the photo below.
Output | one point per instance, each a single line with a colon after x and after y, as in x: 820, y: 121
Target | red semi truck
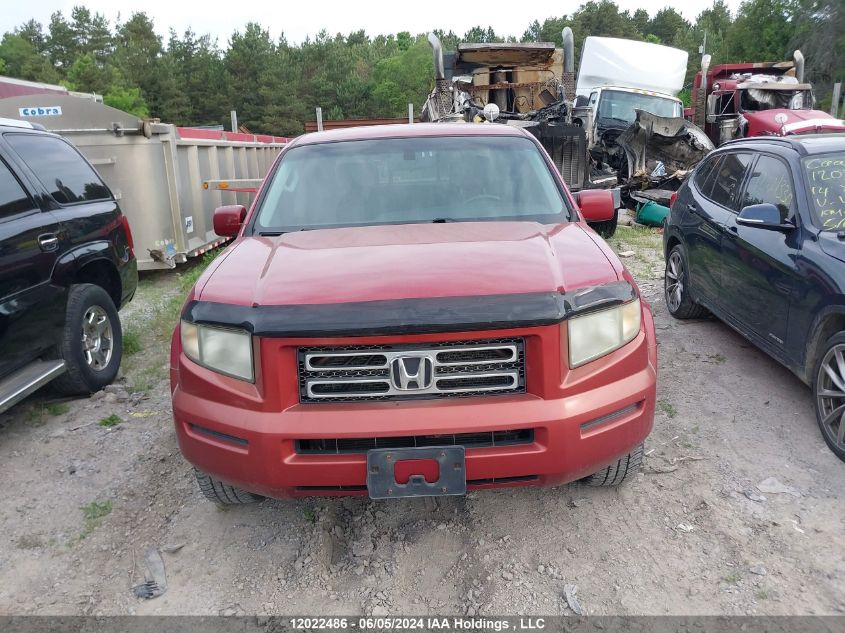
x: 756, y: 99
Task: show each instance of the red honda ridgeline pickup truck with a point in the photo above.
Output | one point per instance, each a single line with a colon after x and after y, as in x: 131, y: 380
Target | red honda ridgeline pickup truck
x: 412, y: 310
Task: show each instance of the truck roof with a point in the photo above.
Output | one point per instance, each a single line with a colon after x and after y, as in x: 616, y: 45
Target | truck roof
x: 609, y: 61
x: 408, y: 130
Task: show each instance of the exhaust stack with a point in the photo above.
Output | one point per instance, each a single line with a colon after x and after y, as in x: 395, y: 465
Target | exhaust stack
x: 568, y: 50
x: 798, y: 57
x: 437, y: 49
x: 568, y: 78
x: 701, y: 96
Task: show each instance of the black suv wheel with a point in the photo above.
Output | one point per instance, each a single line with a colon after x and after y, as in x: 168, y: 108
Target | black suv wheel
x: 829, y: 391
x: 92, y: 341
x: 676, y: 287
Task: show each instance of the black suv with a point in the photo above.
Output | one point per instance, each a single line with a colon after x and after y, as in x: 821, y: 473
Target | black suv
x: 66, y: 267
x: 756, y: 236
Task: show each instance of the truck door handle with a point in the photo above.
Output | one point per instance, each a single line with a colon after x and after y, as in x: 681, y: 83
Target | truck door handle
x: 48, y: 242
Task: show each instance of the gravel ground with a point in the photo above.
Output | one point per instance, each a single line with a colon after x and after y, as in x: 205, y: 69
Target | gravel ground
x: 699, y: 531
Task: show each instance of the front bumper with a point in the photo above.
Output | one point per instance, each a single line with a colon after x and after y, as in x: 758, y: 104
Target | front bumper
x: 599, y: 418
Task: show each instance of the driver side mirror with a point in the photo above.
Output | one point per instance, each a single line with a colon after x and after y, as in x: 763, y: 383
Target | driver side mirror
x: 711, y: 107
x: 596, y: 205
x: 228, y: 219
x: 763, y: 216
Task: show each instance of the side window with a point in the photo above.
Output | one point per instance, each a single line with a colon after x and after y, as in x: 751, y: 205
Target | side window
x: 725, y: 105
x: 60, y: 168
x: 770, y: 182
x: 593, y: 98
x: 13, y: 198
x: 703, y: 179
x: 728, y: 179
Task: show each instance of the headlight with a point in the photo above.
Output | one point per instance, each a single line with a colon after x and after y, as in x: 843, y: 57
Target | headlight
x: 599, y: 333
x: 225, y: 351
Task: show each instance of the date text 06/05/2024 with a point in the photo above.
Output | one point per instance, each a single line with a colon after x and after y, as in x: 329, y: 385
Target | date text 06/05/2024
x: 418, y: 623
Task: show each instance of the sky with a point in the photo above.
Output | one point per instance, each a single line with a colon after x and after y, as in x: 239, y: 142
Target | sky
x: 300, y: 19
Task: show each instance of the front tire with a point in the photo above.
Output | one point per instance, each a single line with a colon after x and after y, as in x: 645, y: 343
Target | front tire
x: 92, y: 341
x: 608, y: 228
x: 829, y: 392
x: 676, y: 287
x: 222, y: 493
x: 618, y: 472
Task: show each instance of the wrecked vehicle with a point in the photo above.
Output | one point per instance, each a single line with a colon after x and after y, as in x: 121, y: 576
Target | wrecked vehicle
x: 533, y: 85
x: 627, y: 99
x: 659, y: 153
x: 756, y: 99
x: 413, y: 310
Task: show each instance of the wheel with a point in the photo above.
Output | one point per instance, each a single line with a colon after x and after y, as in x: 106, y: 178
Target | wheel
x: 676, y: 288
x: 92, y: 341
x: 616, y: 473
x: 608, y: 228
x: 829, y: 391
x: 224, y: 494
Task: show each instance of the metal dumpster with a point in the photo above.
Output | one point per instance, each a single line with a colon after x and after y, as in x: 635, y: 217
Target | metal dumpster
x: 155, y: 170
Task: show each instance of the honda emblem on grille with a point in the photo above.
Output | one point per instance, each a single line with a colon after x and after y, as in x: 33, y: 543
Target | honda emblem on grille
x: 412, y: 373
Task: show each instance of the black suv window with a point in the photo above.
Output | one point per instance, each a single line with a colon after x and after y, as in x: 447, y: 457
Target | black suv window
x: 770, y: 182
x: 703, y: 176
x: 13, y: 198
x: 729, y: 177
x: 60, y: 168
x: 825, y: 178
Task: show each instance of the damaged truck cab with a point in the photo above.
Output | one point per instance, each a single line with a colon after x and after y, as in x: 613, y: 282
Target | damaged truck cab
x: 618, y: 78
x: 733, y: 101
x: 532, y: 85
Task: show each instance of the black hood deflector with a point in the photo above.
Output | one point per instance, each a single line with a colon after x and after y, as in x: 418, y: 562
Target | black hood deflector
x: 410, y: 316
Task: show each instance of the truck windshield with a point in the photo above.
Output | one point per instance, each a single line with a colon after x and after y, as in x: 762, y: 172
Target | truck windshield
x: 622, y: 106
x: 410, y: 180
x: 754, y: 100
x: 826, y: 183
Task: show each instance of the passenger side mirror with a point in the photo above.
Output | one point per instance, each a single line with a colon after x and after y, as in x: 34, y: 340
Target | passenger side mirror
x: 596, y: 205
x: 763, y: 216
x: 228, y: 219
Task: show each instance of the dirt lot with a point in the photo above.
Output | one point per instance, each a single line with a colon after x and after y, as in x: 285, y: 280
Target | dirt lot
x: 693, y: 534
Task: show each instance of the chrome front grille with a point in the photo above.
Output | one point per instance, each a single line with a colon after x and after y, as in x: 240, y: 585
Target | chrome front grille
x: 400, y: 372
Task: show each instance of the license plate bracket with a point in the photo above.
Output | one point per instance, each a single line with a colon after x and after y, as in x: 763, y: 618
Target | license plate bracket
x: 381, y: 478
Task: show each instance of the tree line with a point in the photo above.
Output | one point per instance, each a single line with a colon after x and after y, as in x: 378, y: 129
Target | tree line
x: 274, y: 85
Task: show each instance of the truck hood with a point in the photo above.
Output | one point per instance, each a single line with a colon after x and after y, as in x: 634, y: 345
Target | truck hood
x: 407, y: 261
x: 798, y: 122
x: 664, y: 146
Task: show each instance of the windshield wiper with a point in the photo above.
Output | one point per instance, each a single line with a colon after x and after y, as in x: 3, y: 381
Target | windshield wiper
x: 278, y: 233
x: 444, y: 220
